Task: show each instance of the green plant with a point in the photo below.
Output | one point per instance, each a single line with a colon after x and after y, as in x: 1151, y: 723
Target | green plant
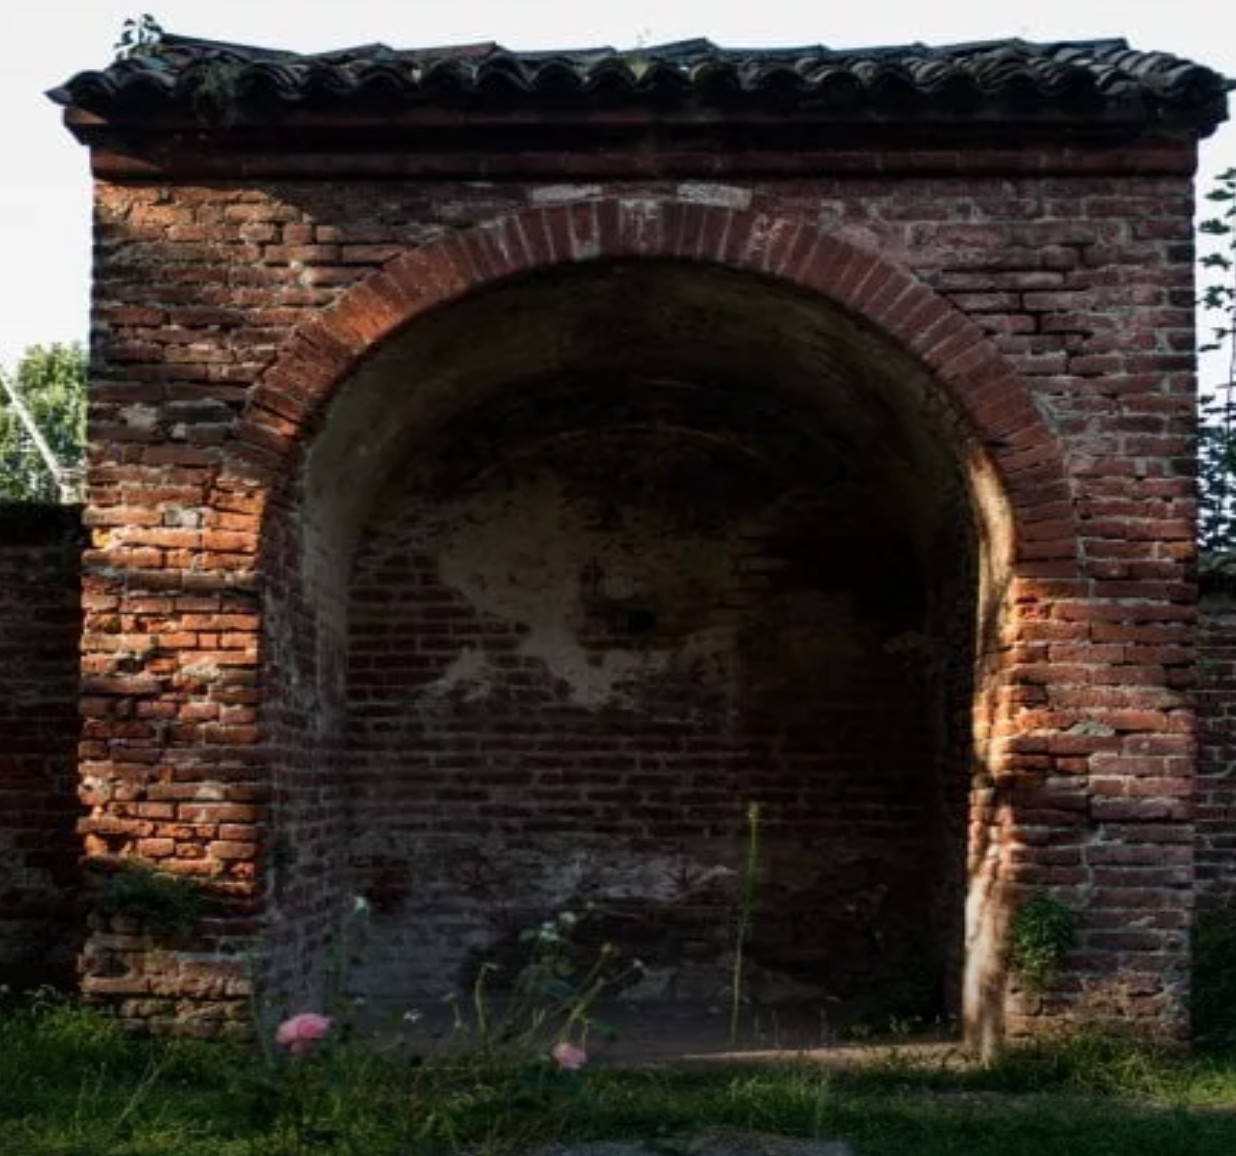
x: 73, y: 1081
x: 216, y: 89
x: 1217, y: 430
x: 1041, y: 932
x: 552, y: 996
x: 163, y: 904
x: 138, y: 37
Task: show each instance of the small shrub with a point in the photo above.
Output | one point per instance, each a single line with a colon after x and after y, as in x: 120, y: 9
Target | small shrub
x: 1041, y: 933
x: 140, y: 37
x: 163, y: 904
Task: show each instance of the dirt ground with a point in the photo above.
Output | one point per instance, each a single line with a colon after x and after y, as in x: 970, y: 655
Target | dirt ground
x: 713, y: 1142
x: 677, y: 1032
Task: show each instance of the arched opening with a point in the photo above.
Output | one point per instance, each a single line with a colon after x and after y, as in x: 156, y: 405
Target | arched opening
x: 583, y: 566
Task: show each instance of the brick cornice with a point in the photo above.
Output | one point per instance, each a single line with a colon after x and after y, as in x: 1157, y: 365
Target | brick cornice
x: 448, y: 146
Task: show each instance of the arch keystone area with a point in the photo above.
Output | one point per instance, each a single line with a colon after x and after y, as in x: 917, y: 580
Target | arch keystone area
x: 768, y: 241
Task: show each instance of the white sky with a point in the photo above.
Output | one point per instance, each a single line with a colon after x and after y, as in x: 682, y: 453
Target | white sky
x: 44, y: 185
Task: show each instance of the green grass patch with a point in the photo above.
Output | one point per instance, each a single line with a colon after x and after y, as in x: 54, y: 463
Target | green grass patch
x: 73, y: 1084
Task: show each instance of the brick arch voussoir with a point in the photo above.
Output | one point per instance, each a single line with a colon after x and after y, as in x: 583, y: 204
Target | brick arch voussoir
x: 765, y: 239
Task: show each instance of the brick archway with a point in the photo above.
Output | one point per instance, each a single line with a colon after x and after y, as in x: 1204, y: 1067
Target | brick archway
x: 770, y: 242
x: 1013, y: 465
x: 974, y: 363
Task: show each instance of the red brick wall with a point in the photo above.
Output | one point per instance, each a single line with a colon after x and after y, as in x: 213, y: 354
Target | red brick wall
x: 1216, y: 761
x: 40, y: 629
x: 211, y: 299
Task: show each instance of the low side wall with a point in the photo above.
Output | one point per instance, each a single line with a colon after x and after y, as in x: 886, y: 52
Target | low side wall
x: 40, y: 628
x: 1216, y: 764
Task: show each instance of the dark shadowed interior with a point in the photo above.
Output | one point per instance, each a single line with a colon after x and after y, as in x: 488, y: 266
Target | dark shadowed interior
x: 593, y: 564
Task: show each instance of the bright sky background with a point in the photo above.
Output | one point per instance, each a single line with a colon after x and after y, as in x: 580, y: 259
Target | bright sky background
x: 44, y: 183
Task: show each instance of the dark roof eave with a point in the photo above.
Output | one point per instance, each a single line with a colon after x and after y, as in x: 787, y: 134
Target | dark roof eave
x: 620, y: 149
x: 360, y: 130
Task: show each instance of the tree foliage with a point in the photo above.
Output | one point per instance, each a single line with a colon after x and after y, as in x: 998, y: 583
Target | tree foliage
x: 1217, y: 441
x: 52, y: 385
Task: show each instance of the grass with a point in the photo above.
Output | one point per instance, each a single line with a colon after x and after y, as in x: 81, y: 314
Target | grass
x: 73, y: 1084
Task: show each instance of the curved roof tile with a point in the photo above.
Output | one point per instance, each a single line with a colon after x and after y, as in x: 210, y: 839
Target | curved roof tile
x: 1005, y: 79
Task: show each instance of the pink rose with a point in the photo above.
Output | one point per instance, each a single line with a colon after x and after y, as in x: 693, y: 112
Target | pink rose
x: 568, y: 1057
x: 301, y: 1032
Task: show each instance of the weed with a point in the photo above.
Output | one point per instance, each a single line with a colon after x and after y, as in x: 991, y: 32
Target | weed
x: 748, y: 879
x: 552, y: 996
x: 215, y: 87
x: 163, y: 904
x: 1041, y: 933
x: 140, y: 37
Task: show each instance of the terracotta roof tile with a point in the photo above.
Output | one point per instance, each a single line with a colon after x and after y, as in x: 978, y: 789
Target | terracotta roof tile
x: 991, y: 80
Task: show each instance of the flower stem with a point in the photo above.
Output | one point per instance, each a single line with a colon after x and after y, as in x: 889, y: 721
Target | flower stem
x: 746, y: 905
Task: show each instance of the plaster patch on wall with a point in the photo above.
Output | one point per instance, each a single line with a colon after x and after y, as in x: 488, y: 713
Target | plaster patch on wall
x: 533, y: 554
x: 722, y: 196
x: 561, y: 194
x: 593, y: 680
x: 139, y: 416
x: 471, y: 671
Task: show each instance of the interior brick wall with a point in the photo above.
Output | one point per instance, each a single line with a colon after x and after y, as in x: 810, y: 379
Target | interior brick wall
x: 569, y: 682
x: 41, y: 914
